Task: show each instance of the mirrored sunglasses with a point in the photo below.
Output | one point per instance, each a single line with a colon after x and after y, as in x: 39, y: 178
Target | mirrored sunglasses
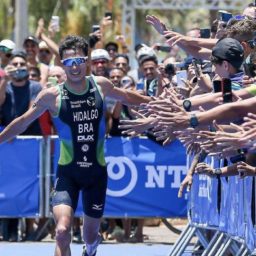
x: 74, y: 61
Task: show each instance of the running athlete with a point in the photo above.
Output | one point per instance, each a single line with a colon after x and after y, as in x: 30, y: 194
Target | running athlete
x: 77, y: 108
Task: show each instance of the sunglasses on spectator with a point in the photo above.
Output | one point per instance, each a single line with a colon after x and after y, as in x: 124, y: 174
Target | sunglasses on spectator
x: 111, y: 49
x: 252, y: 43
x: 33, y: 75
x: 45, y: 51
x: 126, y: 81
x: 74, y: 61
x: 96, y: 62
x: 5, y: 49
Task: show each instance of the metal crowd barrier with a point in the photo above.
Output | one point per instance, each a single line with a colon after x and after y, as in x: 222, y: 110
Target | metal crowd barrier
x: 221, y: 215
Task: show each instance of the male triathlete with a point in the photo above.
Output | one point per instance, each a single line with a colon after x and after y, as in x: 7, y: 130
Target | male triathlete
x: 77, y: 107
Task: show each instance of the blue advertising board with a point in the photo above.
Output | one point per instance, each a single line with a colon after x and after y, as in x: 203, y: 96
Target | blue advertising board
x: 19, y: 178
x: 143, y: 178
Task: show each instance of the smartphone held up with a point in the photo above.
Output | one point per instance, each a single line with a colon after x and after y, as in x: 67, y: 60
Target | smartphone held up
x: 55, y: 23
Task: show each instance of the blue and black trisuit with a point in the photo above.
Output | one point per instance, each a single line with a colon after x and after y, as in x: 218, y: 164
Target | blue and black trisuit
x: 80, y: 123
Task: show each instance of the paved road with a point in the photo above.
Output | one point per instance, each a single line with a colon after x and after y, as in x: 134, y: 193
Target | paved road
x: 159, y: 243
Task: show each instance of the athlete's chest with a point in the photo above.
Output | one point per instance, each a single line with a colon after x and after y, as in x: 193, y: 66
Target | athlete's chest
x: 81, y: 108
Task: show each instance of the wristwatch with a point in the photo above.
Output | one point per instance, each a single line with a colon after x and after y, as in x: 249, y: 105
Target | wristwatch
x: 187, y: 105
x: 217, y: 172
x: 193, y: 121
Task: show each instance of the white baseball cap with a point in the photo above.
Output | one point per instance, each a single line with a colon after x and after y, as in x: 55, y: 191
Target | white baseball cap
x: 145, y: 51
x: 100, y: 54
x: 8, y: 44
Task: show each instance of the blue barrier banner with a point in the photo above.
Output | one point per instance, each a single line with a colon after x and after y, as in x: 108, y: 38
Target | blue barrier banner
x: 19, y: 178
x: 144, y: 178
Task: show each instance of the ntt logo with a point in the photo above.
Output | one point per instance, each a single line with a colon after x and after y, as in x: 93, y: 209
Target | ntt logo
x: 122, y: 164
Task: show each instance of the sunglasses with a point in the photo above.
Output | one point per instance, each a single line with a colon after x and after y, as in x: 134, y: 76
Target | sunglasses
x: 74, y: 61
x: 96, y: 62
x: 44, y: 51
x: 5, y: 49
x: 252, y: 43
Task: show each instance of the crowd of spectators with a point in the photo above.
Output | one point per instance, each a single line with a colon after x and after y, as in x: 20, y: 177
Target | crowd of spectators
x: 206, y: 100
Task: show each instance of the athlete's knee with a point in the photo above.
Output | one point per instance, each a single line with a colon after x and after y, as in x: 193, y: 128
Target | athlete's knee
x: 63, y: 236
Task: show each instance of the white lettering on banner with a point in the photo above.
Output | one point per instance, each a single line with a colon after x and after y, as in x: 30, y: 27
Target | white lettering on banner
x: 177, y: 171
x: 157, y: 175
x: 2, y: 195
x: 121, y: 163
x: 203, y: 191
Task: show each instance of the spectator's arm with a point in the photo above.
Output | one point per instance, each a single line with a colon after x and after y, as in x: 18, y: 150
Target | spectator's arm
x: 3, y: 84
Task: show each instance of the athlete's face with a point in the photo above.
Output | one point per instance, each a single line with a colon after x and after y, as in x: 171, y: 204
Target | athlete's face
x: 74, y: 64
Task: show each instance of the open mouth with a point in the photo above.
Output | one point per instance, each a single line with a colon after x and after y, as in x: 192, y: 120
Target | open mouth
x: 75, y: 73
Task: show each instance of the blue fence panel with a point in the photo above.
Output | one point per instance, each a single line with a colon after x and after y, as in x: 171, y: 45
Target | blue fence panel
x: 144, y: 178
x: 249, y: 229
x: 19, y: 178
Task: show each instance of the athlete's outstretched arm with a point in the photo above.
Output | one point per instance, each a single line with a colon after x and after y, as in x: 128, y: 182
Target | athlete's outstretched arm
x: 20, y: 124
x: 127, y: 97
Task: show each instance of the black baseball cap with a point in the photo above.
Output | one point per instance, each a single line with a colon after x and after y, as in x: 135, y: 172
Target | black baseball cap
x: 229, y: 49
x: 31, y: 38
x: 19, y: 53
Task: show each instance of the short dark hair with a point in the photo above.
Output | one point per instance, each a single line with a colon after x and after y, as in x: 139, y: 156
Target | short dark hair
x: 18, y: 53
x: 115, y: 68
x: 121, y: 55
x: 115, y: 45
x: 243, y: 30
x: 145, y: 58
x: 35, y: 69
x: 73, y: 42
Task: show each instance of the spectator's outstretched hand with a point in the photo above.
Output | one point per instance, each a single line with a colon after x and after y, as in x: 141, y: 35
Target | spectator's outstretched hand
x: 137, y: 126
x: 106, y: 21
x: 186, y: 183
x: 203, y: 168
x: 245, y: 169
x: 40, y: 28
x: 158, y: 25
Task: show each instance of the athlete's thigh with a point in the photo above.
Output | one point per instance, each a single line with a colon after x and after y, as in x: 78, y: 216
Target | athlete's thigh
x: 66, y: 192
x: 94, y: 196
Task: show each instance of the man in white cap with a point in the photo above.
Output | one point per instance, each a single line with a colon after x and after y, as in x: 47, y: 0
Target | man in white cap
x: 6, y: 47
x: 100, y: 62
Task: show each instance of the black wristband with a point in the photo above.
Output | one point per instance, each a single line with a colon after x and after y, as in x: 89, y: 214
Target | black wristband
x: 187, y: 105
x: 193, y: 121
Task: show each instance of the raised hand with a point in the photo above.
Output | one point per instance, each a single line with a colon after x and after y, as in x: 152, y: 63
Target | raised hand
x: 158, y: 25
x: 137, y: 126
x: 203, y: 168
x: 245, y: 169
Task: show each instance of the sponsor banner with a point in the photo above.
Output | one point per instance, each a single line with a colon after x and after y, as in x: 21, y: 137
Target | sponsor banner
x: 143, y: 178
x: 19, y: 178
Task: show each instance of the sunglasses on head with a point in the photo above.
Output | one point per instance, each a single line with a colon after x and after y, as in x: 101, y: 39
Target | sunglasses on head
x: 74, y: 61
x: 5, y: 49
